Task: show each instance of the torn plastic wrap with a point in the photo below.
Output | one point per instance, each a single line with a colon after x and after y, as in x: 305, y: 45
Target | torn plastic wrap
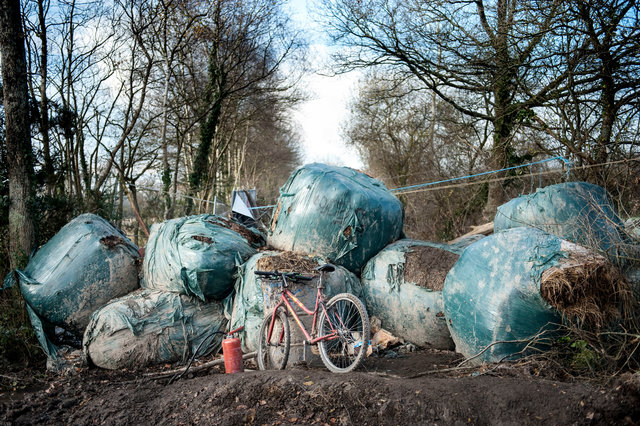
x: 197, y: 255
x: 514, y: 284
x: 84, y: 266
x: 337, y: 213
x: 402, y: 286
x: 579, y: 212
x: 151, y: 327
x: 252, y: 295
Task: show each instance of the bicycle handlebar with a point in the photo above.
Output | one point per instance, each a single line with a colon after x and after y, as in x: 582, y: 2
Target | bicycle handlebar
x: 295, y: 276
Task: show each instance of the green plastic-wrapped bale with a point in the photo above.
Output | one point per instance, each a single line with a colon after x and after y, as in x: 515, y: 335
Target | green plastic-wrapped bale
x: 632, y: 227
x: 337, y: 213
x: 402, y: 286
x: 579, y: 212
x: 152, y: 327
x: 197, y: 255
x: 84, y: 266
x: 253, y: 296
x: 515, y: 284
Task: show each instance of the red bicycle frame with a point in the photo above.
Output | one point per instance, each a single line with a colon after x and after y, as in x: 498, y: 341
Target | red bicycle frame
x: 319, y: 302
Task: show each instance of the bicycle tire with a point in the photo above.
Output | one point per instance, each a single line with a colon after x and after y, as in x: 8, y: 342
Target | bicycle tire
x: 350, y: 318
x: 274, y: 356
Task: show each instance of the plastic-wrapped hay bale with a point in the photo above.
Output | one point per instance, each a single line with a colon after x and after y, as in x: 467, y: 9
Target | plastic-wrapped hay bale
x: 337, y: 213
x: 84, y: 266
x: 252, y: 295
x: 632, y: 226
x: 579, y: 212
x: 402, y: 286
x: 151, y: 327
x: 197, y: 255
x: 516, y: 283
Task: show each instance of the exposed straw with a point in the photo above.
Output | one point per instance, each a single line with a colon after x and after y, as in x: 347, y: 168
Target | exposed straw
x: 588, y: 289
x: 287, y: 261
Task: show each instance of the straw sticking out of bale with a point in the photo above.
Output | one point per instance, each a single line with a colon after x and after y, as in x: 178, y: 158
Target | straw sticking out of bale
x: 287, y: 261
x: 252, y: 237
x: 586, y: 287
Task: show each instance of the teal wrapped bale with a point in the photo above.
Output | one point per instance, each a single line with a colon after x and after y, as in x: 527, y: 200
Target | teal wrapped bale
x: 632, y: 226
x: 516, y: 283
x: 84, y: 266
x: 579, y: 212
x: 152, y: 327
x: 197, y: 255
x: 337, y: 213
x: 402, y: 286
x: 253, y: 296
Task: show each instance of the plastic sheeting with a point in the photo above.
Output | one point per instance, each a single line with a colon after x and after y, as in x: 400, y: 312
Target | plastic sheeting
x: 579, y: 212
x: 337, y: 213
x: 84, y: 266
x: 195, y: 255
x: 632, y: 226
x: 408, y: 309
x: 492, y: 293
x: 253, y: 296
x: 150, y: 327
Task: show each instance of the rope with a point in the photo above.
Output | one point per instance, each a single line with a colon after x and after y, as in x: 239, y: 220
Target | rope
x: 546, y: 172
x: 421, y: 185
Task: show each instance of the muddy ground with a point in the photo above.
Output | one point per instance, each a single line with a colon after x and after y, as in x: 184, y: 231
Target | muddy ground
x: 422, y: 387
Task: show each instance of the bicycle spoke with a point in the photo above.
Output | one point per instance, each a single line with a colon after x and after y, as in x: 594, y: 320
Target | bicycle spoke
x: 346, y: 317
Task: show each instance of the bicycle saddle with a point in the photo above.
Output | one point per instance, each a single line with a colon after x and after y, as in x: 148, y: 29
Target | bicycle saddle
x: 325, y: 268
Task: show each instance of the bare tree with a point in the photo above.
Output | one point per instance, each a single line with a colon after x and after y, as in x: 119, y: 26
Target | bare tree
x: 37, y: 37
x: 596, y: 122
x: 407, y: 136
x: 174, y: 30
x: 491, y: 60
x: 248, y: 43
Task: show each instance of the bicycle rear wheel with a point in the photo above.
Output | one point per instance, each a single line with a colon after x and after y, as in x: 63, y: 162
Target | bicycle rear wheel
x: 274, y: 354
x: 346, y: 315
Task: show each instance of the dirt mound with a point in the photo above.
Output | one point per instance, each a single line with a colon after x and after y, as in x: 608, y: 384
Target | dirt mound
x: 382, y: 392
x: 428, y: 266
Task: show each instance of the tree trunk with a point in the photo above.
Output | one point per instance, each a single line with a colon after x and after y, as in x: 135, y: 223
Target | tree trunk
x: 18, y: 138
x: 166, y: 170
x: 49, y: 170
x: 609, y: 114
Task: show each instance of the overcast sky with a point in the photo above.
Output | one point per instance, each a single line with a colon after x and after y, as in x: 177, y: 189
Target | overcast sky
x: 320, y: 118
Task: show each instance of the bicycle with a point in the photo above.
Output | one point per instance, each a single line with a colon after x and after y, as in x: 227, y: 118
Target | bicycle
x: 340, y: 327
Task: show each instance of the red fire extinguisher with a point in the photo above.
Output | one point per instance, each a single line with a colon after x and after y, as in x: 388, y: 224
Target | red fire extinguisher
x: 232, y: 353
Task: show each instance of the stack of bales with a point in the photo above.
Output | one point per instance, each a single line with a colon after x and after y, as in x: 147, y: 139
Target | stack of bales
x: 199, y: 273
x: 579, y: 212
x: 325, y: 214
x: 189, y: 269
x: 510, y: 291
x: 582, y: 213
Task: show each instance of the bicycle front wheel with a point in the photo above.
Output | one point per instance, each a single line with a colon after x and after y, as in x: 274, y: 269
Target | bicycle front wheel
x: 273, y: 353
x: 347, y: 317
